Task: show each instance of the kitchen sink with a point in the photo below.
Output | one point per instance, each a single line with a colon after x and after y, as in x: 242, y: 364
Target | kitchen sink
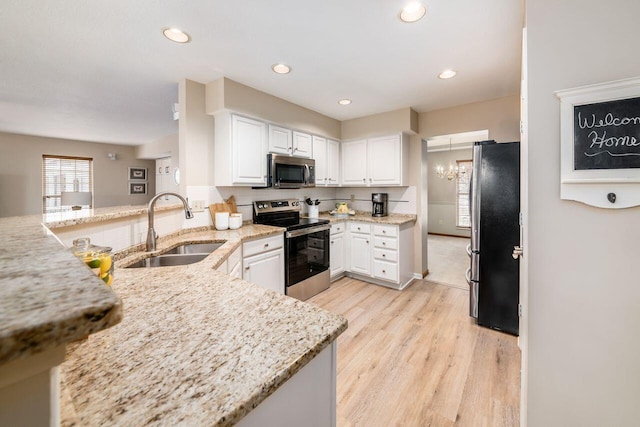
x: 168, y: 260
x: 180, y: 255
x: 195, y: 248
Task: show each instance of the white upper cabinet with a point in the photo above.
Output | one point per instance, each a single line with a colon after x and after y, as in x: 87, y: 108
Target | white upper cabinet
x: 327, y: 156
x: 354, y: 163
x: 333, y: 162
x: 302, y: 144
x: 240, y: 151
x: 385, y: 162
x: 249, y: 151
x: 288, y: 142
x: 320, y: 156
x: 381, y: 161
x: 280, y: 140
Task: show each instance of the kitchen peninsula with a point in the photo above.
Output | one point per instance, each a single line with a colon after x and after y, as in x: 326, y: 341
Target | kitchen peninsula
x: 195, y: 346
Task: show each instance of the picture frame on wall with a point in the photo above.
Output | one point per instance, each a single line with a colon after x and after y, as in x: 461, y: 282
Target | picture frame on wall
x: 137, y: 188
x: 137, y: 174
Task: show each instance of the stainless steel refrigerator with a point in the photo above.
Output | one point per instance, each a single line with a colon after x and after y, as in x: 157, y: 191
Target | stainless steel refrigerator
x: 494, y: 276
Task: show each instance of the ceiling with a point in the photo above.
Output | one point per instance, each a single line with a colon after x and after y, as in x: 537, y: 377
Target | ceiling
x: 102, y: 71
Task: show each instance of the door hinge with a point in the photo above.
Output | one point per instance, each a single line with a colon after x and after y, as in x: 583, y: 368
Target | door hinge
x: 519, y: 310
x: 521, y: 218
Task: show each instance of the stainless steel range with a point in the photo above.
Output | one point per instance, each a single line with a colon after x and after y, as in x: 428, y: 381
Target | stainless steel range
x: 306, y: 246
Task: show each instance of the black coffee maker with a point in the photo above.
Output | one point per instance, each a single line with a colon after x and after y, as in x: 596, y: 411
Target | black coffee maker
x: 379, y: 202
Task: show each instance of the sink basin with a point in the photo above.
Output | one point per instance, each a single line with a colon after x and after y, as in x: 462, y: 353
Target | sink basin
x: 168, y: 260
x: 195, y: 248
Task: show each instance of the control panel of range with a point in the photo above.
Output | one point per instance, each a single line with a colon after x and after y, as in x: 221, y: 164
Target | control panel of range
x: 267, y: 206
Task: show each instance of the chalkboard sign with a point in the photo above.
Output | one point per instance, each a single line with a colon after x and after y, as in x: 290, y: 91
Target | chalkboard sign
x: 607, y: 135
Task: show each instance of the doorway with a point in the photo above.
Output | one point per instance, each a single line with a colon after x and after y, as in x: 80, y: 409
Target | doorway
x: 448, y: 168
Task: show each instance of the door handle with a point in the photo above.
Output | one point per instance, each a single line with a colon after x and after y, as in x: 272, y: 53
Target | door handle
x: 517, y: 252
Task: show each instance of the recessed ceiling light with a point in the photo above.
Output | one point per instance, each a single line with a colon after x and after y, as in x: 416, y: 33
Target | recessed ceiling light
x: 447, y: 74
x: 281, y: 69
x: 413, y: 12
x: 176, y: 35
x: 344, y: 102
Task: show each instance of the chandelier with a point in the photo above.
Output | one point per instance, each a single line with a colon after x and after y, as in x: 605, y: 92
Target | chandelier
x: 452, y: 172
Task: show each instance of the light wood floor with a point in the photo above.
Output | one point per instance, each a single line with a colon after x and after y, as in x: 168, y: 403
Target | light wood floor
x: 448, y: 260
x: 415, y: 358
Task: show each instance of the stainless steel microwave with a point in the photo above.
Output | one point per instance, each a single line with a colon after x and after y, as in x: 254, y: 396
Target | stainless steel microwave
x: 290, y: 172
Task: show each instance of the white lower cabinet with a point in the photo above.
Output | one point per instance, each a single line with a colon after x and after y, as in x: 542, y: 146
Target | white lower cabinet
x: 380, y: 253
x: 233, y: 264
x: 360, y: 244
x: 263, y: 263
x: 336, y: 251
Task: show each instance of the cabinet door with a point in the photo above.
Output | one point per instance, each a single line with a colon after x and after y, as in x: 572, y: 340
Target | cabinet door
x: 354, y: 163
x: 385, y: 160
x: 361, y: 254
x: 302, y: 144
x: 280, y: 140
x: 320, y: 156
x: 336, y: 254
x: 249, y: 151
x: 333, y: 162
x: 266, y: 270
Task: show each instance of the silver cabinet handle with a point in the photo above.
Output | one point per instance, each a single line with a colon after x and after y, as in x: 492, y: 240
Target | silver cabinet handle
x: 367, y: 242
x: 384, y: 255
x: 384, y: 231
x: 364, y: 179
x: 266, y: 245
x: 160, y: 169
x: 166, y: 169
x: 517, y: 252
x: 384, y: 271
x: 247, y: 267
x: 384, y: 243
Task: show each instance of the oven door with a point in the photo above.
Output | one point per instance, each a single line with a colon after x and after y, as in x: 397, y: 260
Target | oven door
x: 307, y: 253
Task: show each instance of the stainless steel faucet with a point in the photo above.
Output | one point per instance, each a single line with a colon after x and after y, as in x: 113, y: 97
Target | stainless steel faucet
x: 151, y: 234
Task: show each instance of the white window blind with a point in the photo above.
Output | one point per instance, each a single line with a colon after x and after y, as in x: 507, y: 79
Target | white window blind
x: 64, y: 173
x: 463, y: 212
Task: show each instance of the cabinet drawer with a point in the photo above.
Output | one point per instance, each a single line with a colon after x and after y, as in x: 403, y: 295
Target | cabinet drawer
x: 360, y: 228
x: 337, y: 228
x: 385, y: 270
x: 262, y: 245
x: 385, y: 242
x: 385, y: 230
x: 386, y: 255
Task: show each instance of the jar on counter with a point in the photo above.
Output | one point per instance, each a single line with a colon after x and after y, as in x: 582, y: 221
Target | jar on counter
x: 97, y: 258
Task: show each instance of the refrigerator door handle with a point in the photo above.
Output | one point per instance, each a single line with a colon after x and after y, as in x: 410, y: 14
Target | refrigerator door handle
x: 517, y: 252
x: 469, y: 249
x: 467, y: 275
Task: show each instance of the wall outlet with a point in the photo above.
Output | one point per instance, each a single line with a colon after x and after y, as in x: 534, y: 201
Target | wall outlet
x: 197, y: 205
x: 353, y: 198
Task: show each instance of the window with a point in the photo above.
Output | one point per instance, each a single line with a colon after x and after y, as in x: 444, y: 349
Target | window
x: 463, y: 212
x: 63, y: 173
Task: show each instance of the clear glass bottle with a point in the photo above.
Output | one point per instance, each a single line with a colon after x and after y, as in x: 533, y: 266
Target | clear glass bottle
x: 97, y: 258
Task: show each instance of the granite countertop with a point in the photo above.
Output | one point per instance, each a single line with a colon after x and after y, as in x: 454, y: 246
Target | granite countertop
x: 47, y: 296
x: 86, y: 216
x: 196, y: 347
x: 391, y: 219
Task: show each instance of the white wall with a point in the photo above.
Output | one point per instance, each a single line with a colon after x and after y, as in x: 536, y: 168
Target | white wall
x: 442, y: 193
x: 21, y: 172
x: 584, y: 290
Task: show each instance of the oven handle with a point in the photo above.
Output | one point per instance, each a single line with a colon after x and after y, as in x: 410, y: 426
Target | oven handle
x: 309, y: 230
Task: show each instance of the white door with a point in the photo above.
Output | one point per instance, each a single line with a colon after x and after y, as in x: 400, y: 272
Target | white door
x: 280, y: 140
x: 354, y: 163
x: 360, y: 254
x: 302, y: 144
x: 336, y: 254
x: 265, y: 270
x: 333, y: 162
x: 385, y: 161
x: 249, y: 151
x: 320, y: 156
